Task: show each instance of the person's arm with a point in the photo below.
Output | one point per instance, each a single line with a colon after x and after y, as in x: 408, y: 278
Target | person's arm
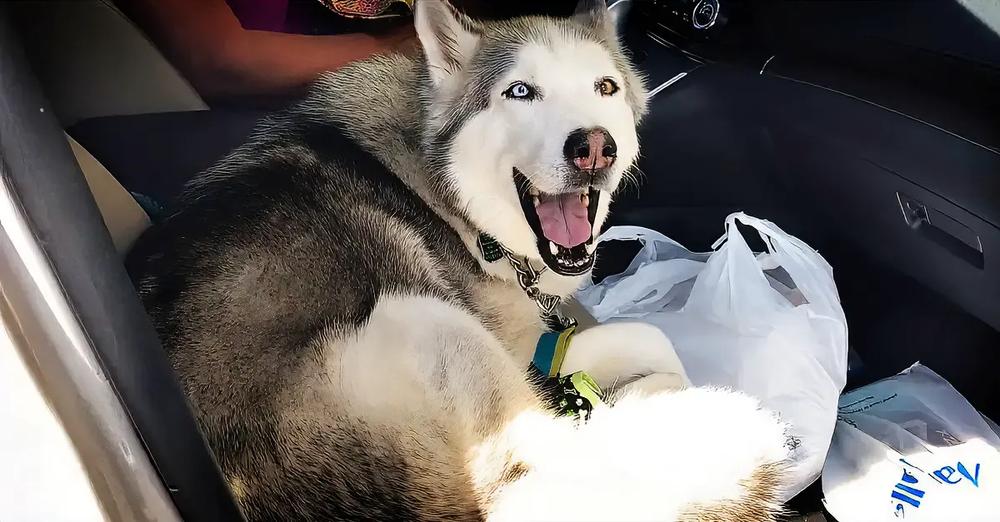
x: 205, y: 40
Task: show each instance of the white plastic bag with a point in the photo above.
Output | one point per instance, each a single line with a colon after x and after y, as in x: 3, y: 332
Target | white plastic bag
x: 770, y: 325
x: 910, y: 447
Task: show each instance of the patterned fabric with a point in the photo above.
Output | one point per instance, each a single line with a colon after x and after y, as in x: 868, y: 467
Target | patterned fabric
x: 369, y: 8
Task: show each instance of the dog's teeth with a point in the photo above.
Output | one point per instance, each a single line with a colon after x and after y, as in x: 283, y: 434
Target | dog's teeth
x: 534, y: 199
x: 533, y: 191
x: 591, y: 247
x: 585, y: 199
x: 553, y: 248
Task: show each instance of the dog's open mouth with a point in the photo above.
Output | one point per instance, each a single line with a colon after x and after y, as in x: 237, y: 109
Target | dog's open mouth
x: 563, y: 225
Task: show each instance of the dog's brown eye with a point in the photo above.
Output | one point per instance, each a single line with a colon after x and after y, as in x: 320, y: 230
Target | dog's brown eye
x: 606, y: 87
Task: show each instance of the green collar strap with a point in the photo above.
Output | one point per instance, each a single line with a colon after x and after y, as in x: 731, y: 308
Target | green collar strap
x: 551, y: 350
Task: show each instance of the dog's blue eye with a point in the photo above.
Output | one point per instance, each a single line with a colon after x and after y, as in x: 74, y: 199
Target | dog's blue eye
x: 520, y: 91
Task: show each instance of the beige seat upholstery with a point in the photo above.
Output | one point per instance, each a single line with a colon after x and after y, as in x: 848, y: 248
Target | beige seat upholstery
x: 93, y: 61
x: 123, y: 217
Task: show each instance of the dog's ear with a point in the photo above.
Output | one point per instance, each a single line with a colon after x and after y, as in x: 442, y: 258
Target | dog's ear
x: 449, y: 38
x: 595, y: 14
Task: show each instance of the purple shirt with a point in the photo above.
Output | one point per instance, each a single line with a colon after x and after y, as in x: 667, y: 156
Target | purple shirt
x: 261, y: 15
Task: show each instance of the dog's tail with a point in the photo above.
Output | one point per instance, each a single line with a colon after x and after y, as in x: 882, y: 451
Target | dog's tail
x: 695, y: 455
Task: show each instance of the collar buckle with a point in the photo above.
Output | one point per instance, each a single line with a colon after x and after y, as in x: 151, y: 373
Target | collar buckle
x: 527, y: 279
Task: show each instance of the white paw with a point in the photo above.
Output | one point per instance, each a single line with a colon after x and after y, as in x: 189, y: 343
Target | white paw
x: 653, y: 384
x: 618, y: 353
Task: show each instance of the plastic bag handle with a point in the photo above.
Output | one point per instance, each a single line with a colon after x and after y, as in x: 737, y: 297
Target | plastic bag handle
x: 798, y: 259
x: 633, y: 233
x: 611, y: 301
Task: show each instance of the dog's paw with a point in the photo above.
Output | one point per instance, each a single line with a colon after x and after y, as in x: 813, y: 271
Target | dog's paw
x: 696, y: 454
x: 649, y: 385
x: 618, y: 353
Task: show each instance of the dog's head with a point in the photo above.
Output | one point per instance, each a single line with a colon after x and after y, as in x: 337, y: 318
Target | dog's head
x: 532, y: 125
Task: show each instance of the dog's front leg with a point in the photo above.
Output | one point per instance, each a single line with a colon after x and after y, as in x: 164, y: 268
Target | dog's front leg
x: 636, y: 356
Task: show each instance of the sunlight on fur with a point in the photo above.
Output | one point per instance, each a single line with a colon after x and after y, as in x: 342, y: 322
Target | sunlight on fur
x: 646, y: 458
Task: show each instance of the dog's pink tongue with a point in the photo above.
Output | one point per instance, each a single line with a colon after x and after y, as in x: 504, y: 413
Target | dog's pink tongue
x: 564, y: 219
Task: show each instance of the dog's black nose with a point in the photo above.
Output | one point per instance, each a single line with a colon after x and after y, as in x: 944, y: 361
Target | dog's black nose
x: 590, y: 149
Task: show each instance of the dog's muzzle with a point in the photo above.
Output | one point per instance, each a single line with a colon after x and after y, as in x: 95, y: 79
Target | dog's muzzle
x: 563, y: 225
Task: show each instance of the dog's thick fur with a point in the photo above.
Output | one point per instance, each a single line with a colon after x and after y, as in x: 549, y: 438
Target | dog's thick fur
x: 350, y: 356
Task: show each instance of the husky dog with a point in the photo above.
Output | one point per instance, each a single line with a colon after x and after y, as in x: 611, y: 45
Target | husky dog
x: 351, y: 352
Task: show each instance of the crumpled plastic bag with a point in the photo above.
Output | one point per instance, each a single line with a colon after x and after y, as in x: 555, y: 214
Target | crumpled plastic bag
x: 910, y: 447
x: 770, y: 325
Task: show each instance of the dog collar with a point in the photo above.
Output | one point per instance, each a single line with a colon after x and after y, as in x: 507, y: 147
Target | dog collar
x: 551, y: 350
x: 527, y: 278
x: 574, y: 395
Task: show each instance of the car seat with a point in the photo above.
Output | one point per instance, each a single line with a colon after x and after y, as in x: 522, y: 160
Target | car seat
x: 93, y: 61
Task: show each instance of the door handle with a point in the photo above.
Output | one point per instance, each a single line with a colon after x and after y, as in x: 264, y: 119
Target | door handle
x: 943, y: 230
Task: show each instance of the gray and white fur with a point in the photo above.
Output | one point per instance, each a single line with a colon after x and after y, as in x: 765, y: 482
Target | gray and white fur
x: 348, y: 353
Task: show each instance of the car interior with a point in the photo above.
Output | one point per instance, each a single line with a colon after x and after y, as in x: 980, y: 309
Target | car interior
x: 870, y: 130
